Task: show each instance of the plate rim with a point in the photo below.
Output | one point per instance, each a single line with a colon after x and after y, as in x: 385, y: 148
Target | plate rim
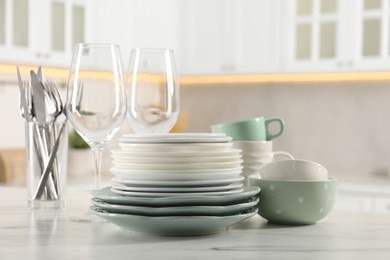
x: 160, y: 211
x: 187, y: 183
x: 181, y: 190
x: 108, y: 195
x: 221, y: 223
x: 171, y: 194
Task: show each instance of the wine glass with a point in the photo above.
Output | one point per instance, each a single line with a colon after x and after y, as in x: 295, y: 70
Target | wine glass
x: 154, y: 91
x: 96, y: 99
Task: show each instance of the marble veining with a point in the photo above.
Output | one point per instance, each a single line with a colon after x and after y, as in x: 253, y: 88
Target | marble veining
x: 56, y: 235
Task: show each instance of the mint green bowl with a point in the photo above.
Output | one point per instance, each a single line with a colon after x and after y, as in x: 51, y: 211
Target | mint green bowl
x: 295, y: 202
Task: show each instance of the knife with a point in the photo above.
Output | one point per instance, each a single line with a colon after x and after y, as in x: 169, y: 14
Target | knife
x: 40, y: 74
x: 38, y: 99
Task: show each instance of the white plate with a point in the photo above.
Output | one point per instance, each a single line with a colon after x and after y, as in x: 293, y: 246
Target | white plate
x: 176, y: 166
x: 173, y: 159
x: 175, y: 138
x: 107, y: 195
x: 170, y: 194
x: 184, y: 190
x: 175, y: 225
x: 193, y: 147
x: 180, y: 210
x: 180, y: 154
x: 156, y: 176
x: 196, y: 183
x: 178, y: 171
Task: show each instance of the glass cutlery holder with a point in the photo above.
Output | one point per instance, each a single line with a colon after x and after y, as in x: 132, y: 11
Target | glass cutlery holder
x: 46, y: 161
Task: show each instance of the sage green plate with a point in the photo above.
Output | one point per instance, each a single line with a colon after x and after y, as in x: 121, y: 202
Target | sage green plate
x: 107, y: 195
x: 180, y: 210
x: 174, y: 225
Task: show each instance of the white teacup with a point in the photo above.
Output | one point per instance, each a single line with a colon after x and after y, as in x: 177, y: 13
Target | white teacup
x: 258, y: 153
x: 294, y: 170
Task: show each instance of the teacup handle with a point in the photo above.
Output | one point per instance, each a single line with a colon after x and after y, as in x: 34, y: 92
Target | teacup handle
x: 282, y: 154
x: 271, y: 136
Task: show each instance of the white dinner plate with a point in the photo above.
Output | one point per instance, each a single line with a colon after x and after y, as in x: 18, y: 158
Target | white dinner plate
x: 180, y: 210
x: 107, y: 195
x: 174, y: 159
x: 178, y: 176
x: 173, y: 226
x: 177, y: 189
x: 170, y: 194
x: 175, y: 138
x: 237, y: 168
x: 176, y: 147
x: 175, y: 154
x: 189, y: 183
x: 176, y: 166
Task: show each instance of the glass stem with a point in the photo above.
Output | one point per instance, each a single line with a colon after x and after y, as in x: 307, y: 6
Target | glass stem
x: 97, y: 153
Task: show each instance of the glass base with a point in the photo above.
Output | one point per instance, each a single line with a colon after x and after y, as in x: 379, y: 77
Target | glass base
x: 46, y: 204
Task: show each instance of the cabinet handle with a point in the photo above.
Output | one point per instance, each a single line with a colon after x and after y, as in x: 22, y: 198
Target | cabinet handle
x: 42, y: 55
x: 228, y: 67
x: 348, y: 64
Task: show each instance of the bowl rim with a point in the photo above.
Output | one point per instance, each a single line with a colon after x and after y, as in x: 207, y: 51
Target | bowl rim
x: 294, y: 160
x: 258, y: 178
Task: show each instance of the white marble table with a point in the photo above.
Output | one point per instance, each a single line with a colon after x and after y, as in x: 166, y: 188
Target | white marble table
x: 54, y: 235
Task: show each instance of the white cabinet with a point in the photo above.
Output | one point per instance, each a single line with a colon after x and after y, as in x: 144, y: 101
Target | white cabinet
x: 41, y: 32
x: 228, y: 37
x: 337, y: 35
x: 362, y: 198
x: 382, y: 204
x: 354, y: 201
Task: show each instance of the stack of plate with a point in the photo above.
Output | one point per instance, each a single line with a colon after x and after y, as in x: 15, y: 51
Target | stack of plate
x: 176, y: 184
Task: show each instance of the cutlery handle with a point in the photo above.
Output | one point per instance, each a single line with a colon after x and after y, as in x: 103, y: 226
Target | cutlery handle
x: 49, y: 165
x: 44, y: 154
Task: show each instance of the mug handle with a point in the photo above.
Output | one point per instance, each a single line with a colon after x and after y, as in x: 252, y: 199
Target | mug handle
x: 283, y: 154
x: 281, y: 129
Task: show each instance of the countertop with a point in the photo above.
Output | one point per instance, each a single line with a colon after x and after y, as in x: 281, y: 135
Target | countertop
x: 56, y: 235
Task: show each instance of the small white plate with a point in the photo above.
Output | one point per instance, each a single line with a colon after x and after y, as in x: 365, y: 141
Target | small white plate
x: 170, y: 194
x: 172, y: 226
x: 193, y: 147
x: 173, y: 159
x: 156, y: 176
x: 176, y: 154
x: 237, y: 168
x: 175, y: 138
x: 107, y: 195
x: 183, y: 190
x: 176, y: 166
x: 195, y: 183
x: 180, y: 210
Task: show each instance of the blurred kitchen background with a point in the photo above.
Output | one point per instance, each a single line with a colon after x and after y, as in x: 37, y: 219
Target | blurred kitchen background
x: 321, y: 65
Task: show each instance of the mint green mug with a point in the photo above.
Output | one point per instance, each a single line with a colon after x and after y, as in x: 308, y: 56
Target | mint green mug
x: 255, y: 129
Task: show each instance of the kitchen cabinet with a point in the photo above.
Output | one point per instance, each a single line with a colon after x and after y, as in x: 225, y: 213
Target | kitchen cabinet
x: 41, y: 32
x: 229, y: 37
x: 336, y: 35
x: 381, y: 204
x: 354, y: 201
